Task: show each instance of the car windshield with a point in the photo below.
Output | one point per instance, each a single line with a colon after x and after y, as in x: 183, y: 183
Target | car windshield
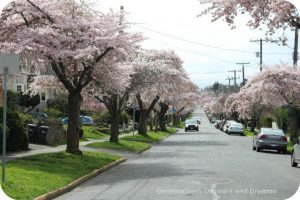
x: 271, y: 131
x: 237, y: 125
x: 192, y: 121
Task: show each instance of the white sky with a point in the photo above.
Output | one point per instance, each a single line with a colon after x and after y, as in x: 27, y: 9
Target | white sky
x: 178, y: 19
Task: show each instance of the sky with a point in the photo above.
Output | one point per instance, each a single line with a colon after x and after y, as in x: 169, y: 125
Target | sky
x: 174, y: 25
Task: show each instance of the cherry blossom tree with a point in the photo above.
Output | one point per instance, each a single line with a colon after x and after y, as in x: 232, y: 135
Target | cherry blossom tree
x: 69, y: 38
x: 274, y: 14
x: 274, y: 87
x: 153, y: 81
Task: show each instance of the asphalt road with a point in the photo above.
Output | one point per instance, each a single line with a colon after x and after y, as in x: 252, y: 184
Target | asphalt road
x: 196, y: 165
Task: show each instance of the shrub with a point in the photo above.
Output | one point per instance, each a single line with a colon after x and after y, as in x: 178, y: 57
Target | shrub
x: 59, y: 103
x: 27, y: 119
x: 56, y: 132
x: 104, y: 130
x: 17, y: 138
x: 53, y: 113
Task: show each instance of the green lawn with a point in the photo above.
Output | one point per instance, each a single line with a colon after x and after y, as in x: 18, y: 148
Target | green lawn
x: 149, y: 138
x: 249, y: 133
x: 29, y: 177
x: 122, y: 145
x: 90, y: 132
x: 290, y: 147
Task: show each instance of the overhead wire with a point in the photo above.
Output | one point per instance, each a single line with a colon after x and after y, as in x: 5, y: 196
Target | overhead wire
x: 201, y: 44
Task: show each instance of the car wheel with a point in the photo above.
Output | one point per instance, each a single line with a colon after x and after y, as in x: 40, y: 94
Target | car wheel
x: 257, y: 148
x: 284, y: 151
x: 197, y: 129
x: 242, y: 134
x: 294, y: 164
x: 228, y: 133
x: 253, y: 147
x: 185, y: 130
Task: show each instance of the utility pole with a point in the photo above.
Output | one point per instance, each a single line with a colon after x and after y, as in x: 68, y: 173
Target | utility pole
x: 243, y: 70
x: 260, y: 51
x: 234, y: 76
x: 229, y: 79
x: 295, y: 57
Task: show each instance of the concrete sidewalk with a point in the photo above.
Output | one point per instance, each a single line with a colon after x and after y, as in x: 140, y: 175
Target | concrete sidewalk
x: 35, y: 149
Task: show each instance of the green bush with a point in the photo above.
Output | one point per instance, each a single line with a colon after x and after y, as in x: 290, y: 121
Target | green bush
x: 53, y: 113
x: 27, y: 119
x: 56, y: 133
x: 104, y: 130
x: 266, y: 122
x: 17, y: 138
x: 103, y: 118
x: 59, y: 103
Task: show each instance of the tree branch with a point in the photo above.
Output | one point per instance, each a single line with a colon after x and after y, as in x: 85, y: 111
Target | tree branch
x: 152, y: 104
x: 39, y: 9
x: 98, y: 58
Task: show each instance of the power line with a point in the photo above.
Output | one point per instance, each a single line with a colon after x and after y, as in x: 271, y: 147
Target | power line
x: 200, y: 44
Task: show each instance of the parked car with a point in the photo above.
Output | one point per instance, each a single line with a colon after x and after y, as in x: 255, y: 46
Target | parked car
x: 39, y: 115
x: 217, y: 122
x: 236, y: 128
x: 221, y: 124
x: 85, y: 120
x: 295, y: 157
x: 213, y: 119
x: 269, y: 138
x: 191, y: 124
x: 227, y: 124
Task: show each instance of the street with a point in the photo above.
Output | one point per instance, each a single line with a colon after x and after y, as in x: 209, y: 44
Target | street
x: 196, y: 165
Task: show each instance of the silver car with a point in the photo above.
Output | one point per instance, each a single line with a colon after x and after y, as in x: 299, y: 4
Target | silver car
x: 236, y: 128
x: 295, y: 158
x: 269, y: 138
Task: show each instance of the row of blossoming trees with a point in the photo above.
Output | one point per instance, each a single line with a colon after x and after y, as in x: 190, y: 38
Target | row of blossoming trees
x: 274, y: 87
x: 94, y: 57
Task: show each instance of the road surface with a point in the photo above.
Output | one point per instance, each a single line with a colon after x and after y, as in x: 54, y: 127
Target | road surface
x: 196, y: 165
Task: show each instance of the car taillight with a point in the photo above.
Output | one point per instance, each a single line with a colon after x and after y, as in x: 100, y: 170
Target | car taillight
x: 283, y: 138
x: 263, y: 136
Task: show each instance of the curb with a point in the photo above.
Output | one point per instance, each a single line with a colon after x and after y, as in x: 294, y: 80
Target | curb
x: 141, y: 151
x: 71, y: 186
x: 170, y: 134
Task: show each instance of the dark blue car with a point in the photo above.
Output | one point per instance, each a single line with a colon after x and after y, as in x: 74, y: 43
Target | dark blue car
x: 85, y: 120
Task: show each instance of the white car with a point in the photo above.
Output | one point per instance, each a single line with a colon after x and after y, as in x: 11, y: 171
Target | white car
x: 295, y: 158
x: 227, y: 124
x: 236, y: 128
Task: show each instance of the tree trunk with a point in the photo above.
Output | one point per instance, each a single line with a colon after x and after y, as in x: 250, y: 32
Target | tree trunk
x: 151, y: 121
x: 143, y: 122
x: 156, y: 121
x: 294, y: 124
x: 162, y: 117
x: 74, y: 100
x: 144, y: 113
x: 253, y: 124
x: 115, y: 120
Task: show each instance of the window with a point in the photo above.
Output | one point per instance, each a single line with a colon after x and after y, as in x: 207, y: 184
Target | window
x: 43, y: 97
x: 19, y: 88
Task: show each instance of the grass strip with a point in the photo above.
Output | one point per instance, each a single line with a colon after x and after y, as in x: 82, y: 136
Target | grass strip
x: 92, y: 133
x: 32, y: 176
x: 124, y: 145
x: 151, y: 137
